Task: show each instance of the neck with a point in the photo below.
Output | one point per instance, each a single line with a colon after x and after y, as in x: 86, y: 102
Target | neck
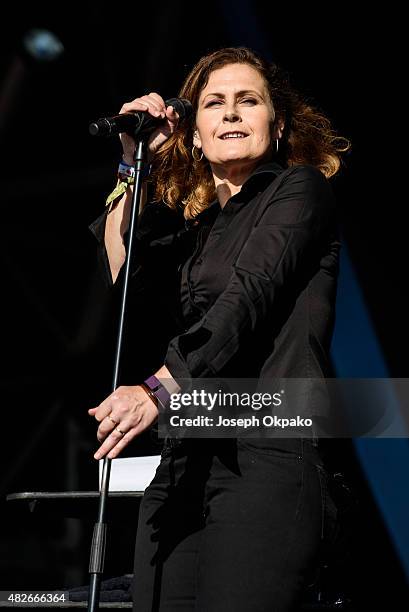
x: 229, y: 181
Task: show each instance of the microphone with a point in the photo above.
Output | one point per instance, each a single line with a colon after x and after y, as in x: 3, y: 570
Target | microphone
x: 140, y: 123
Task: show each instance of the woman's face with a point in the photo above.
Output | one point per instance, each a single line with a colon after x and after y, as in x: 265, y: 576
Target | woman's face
x: 234, y: 117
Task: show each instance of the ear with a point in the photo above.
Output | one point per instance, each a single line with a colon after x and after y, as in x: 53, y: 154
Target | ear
x: 196, y: 139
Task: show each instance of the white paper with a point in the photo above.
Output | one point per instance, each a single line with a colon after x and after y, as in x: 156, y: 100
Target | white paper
x: 131, y: 473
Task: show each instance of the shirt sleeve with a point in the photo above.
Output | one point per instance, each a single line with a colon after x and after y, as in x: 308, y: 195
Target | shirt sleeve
x: 97, y: 227
x: 157, y: 229
x: 152, y: 308
x: 296, y: 221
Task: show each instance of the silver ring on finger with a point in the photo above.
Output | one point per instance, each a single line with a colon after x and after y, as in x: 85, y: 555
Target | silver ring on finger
x: 119, y: 431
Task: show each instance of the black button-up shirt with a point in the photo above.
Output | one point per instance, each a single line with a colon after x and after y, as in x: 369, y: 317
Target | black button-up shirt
x: 248, y: 290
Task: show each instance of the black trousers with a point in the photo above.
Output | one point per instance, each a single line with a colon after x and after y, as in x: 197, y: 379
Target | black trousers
x: 231, y: 525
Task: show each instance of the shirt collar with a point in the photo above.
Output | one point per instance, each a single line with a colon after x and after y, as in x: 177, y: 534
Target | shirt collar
x: 261, y: 175
x: 257, y: 181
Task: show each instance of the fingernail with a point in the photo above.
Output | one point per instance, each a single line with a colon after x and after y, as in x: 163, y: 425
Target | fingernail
x: 97, y: 456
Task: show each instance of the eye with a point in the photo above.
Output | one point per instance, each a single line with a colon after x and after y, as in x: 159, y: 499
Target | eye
x: 212, y: 103
x: 249, y: 101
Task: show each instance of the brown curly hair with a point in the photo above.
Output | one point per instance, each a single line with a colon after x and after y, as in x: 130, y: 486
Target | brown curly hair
x: 308, y: 136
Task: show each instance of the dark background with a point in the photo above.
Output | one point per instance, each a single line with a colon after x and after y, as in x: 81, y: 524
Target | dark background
x: 55, y: 177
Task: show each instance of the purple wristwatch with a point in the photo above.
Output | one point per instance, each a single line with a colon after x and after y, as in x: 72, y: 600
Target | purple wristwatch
x: 159, y: 391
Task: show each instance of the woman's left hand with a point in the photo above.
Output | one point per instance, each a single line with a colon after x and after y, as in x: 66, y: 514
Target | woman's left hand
x: 123, y: 415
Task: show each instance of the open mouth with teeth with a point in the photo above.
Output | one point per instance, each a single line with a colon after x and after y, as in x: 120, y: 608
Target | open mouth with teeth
x: 230, y: 135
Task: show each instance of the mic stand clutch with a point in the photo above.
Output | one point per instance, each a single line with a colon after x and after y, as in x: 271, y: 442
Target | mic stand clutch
x: 97, y: 554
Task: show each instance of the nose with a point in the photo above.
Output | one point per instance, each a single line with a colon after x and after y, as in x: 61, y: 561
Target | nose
x: 231, y: 114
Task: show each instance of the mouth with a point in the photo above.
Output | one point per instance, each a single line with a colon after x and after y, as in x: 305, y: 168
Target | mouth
x: 232, y: 135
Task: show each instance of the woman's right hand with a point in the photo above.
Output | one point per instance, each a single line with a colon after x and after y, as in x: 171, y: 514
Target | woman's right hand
x: 154, y: 104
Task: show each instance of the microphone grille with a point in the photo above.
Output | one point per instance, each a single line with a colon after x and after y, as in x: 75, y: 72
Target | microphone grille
x: 182, y: 106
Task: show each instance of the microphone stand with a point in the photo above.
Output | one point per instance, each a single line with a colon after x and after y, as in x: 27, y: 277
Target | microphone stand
x: 97, y: 554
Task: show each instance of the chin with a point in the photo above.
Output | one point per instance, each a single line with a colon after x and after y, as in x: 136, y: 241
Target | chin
x: 228, y: 156
x: 238, y: 159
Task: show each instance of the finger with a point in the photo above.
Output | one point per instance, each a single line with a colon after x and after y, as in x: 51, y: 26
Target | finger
x: 135, y: 105
x: 121, y: 444
x: 112, y: 420
x: 111, y: 441
x: 156, y: 107
x: 152, y: 105
x: 92, y: 411
x: 172, y: 115
x: 134, y: 430
x: 105, y: 408
x: 122, y: 426
x: 102, y: 412
x: 130, y: 430
x: 158, y: 99
x: 109, y: 423
x: 117, y: 432
x: 107, y: 426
